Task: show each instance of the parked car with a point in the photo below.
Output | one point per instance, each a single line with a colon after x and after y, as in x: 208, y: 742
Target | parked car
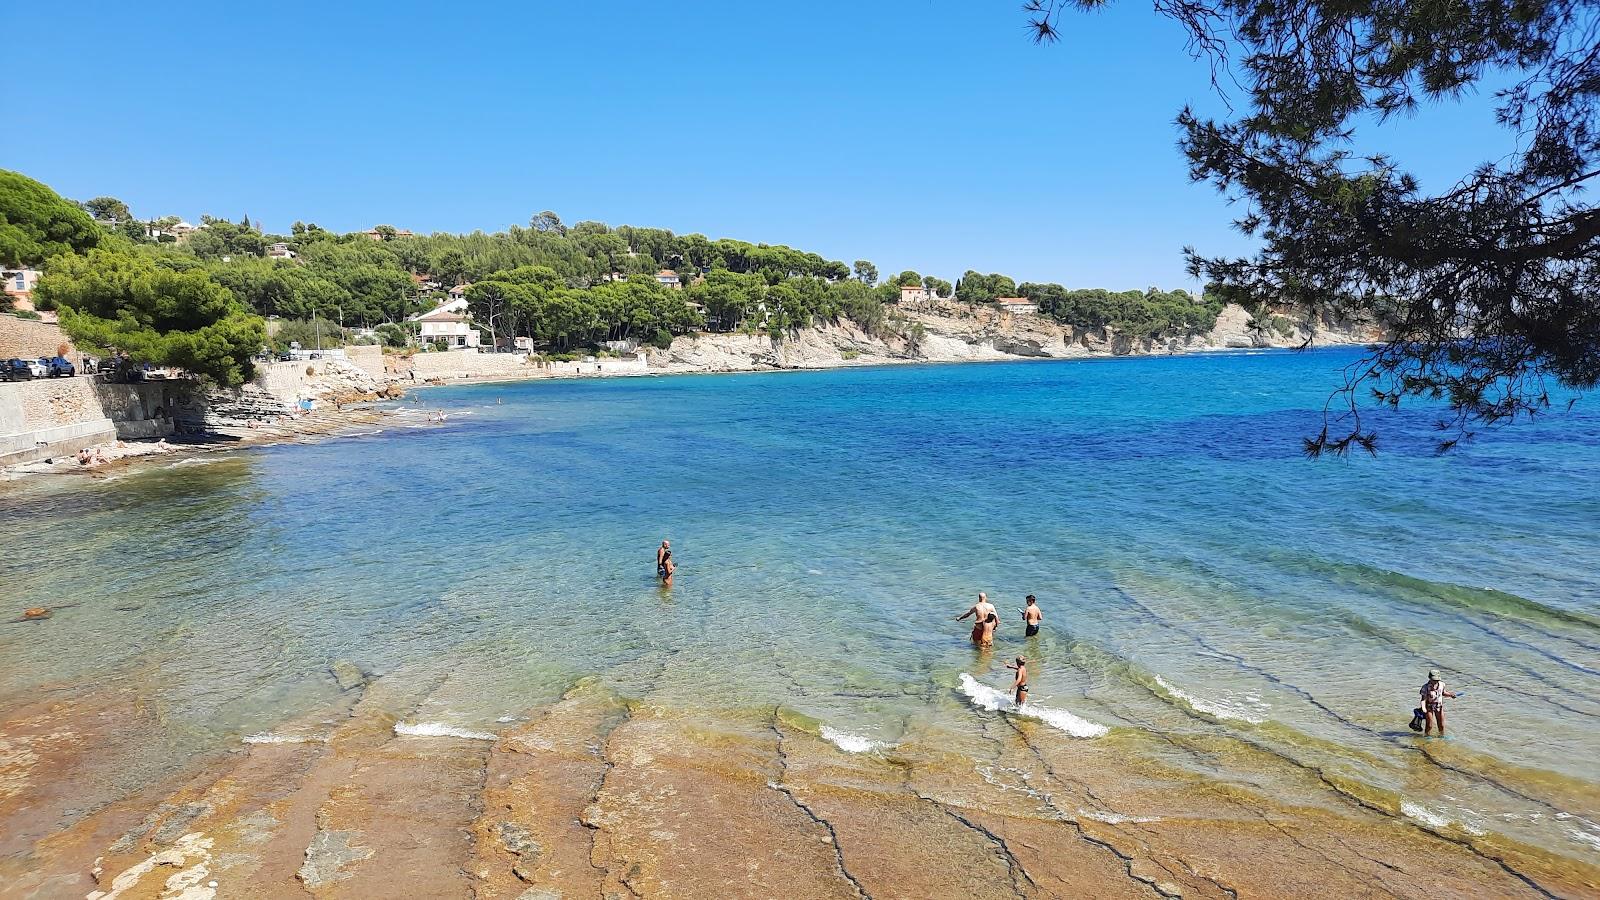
x: 58, y: 366
x: 15, y: 370
x: 37, y: 369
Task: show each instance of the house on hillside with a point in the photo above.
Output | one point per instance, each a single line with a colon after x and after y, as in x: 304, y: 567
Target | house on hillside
x: 19, y: 284
x: 448, y: 322
x: 1018, y: 305
x: 669, y: 278
x: 915, y: 295
x: 459, y: 292
x: 377, y: 235
x: 280, y: 250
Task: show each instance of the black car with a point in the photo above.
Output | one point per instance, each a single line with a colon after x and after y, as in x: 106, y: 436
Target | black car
x: 15, y: 370
x: 59, y: 366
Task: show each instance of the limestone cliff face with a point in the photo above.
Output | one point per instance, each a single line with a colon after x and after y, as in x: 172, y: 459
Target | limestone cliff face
x: 956, y: 333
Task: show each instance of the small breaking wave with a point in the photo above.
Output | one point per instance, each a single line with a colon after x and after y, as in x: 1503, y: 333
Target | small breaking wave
x: 985, y: 697
x: 1111, y: 818
x: 852, y: 743
x: 435, y: 729
x: 193, y: 461
x: 1248, y: 710
x: 1434, y: 818
x: 272, y: 737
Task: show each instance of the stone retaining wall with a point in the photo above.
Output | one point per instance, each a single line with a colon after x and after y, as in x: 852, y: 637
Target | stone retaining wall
x: 57, y: 416
x: 31, y: 339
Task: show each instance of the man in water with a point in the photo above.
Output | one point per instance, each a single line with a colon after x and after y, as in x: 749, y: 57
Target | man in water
x: 1021, y: 683
x: 1032, y: 616
x: 983, y: 609
x: 1433, y: 696
x: 664, y: 564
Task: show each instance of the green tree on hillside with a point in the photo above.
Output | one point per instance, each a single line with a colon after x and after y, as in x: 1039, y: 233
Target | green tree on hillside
x: 112, y: 301
x: 1490, y: 280
x: 975, y: 287
x: 221, y: 238
x: 36, y: 223
x: 866, y: 272
x: 108, y: 209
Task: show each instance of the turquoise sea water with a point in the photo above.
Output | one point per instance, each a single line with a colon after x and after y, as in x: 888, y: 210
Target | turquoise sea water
x: 1197, y: 574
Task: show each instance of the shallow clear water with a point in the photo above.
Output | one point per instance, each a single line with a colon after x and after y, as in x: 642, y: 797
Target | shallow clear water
x: 1198, y: 575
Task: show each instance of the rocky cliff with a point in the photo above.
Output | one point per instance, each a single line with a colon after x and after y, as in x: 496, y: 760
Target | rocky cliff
x: 951, y: 332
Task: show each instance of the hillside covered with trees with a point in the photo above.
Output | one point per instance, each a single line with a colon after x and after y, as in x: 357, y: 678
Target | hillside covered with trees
x: 563, y: 287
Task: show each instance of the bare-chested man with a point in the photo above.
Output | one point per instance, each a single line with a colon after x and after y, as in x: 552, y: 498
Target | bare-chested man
x: 1032, y: 616
x: 983, y: 609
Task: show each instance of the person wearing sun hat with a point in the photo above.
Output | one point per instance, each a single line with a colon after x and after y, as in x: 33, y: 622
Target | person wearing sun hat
x: 1433, y: 697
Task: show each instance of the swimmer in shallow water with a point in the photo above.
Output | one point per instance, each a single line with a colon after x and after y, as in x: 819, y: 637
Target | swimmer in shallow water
x: 1032, y: 616
x: 989, y: 626
x: 1020, y: 685
x: 983, y: 609
x: 1433, y: 697
x: 664, y: 564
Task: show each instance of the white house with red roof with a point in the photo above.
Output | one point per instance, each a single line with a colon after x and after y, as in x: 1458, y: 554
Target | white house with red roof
x: 448, y: 322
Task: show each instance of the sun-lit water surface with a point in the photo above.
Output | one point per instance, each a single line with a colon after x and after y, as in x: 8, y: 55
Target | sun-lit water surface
x: 1197, y: 574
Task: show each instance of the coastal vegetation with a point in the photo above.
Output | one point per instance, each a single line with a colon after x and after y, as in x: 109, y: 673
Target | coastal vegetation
x: 1488, y: 282
x: 36, y: 224
x: 561, y: 288
x: 115, y: 301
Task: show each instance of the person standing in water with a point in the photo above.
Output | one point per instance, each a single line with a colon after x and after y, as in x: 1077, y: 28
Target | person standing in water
x: 1433, y: 697
x: 1032, y: 616
x: 664, y: 564
x: 989, y: 626
x: 1020, y: 685
x: 983, y: 609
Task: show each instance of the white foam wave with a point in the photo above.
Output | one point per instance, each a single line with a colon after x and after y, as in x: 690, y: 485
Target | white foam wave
x: 1423, y: 814
x: 1593, y: 840
x: 1111, y: 818
x: 192, y: 461
x: 1248, y: 711
x: 272, y: 737
x: 852, y: 743
x: 1436, y: 818
x: 988, y: 698
x: 436, y: 729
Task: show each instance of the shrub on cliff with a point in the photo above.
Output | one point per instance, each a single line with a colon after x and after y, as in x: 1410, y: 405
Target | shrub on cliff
x: 115, y: 302
x: 36, y: 224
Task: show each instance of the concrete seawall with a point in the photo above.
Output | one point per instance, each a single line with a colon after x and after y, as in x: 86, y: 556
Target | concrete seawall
x: 58, y: 416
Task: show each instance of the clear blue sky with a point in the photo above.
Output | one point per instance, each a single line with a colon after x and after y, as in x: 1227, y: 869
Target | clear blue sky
x: 917, y: 134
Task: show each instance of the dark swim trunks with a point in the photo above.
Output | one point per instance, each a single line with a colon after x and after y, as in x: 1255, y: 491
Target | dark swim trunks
x: 1032, y: 630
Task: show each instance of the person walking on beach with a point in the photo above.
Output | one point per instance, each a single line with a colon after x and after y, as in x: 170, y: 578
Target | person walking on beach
x: 1032, y: 616
x: 983, y: 609
x: 1020, y: 685
x: 1433, y: 697
x: 664, y: 564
